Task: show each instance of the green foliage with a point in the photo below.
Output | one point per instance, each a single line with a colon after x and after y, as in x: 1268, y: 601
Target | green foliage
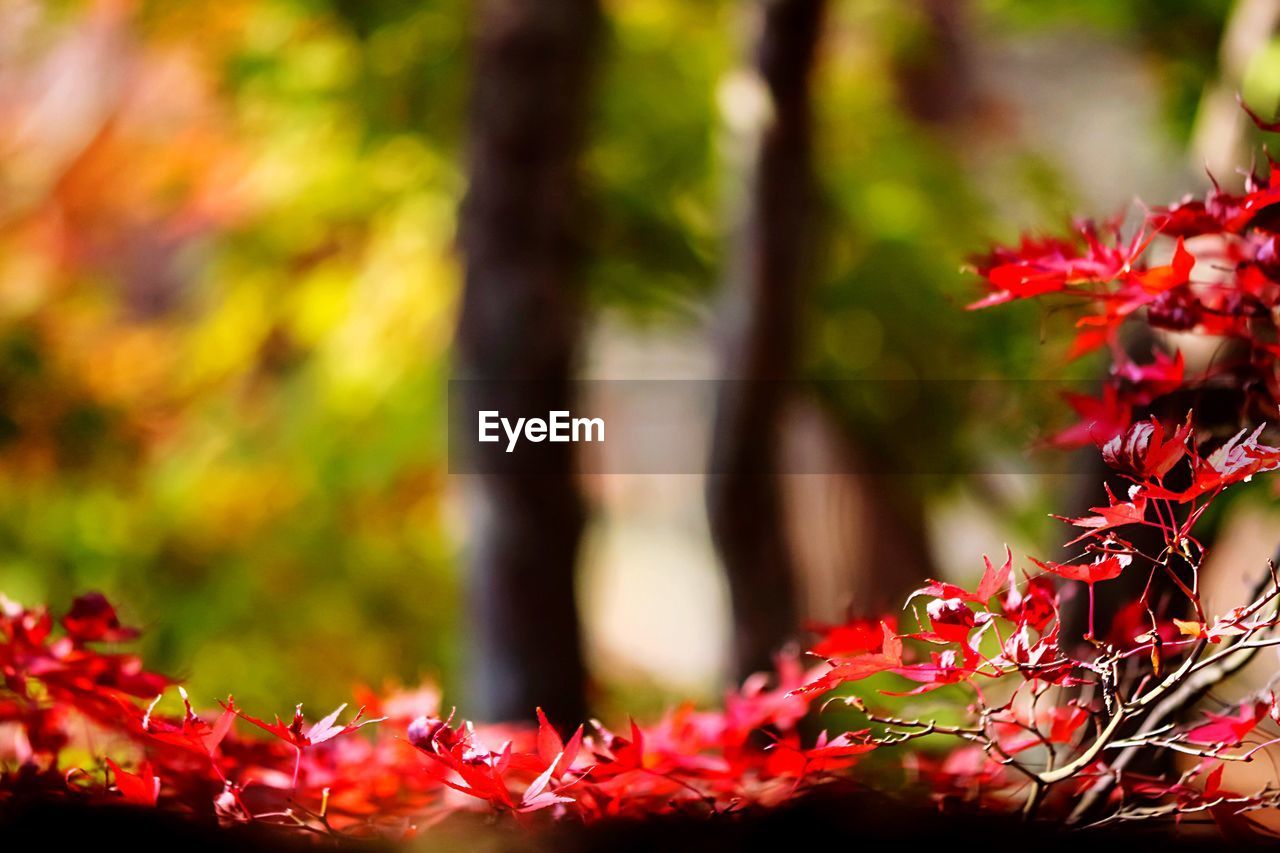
x: 283, y: 508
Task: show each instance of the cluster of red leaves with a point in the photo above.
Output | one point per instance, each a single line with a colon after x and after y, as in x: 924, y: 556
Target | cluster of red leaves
x: 1220, y: 277
x: 78, y: 721
x: 1219, y: 280
x: 1046, y: 722
x: 1042, y: 725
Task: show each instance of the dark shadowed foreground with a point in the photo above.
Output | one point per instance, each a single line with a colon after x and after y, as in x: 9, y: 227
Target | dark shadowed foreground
x: 834, y: 819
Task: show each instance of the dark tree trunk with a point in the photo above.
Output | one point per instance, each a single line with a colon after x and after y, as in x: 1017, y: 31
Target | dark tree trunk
x: 898, y: 559
x: 936, y: 77
x: 762, y: 313
x: 516, y: 346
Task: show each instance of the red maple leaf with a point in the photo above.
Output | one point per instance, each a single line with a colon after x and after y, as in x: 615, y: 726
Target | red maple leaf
x: 1038, y: 266
x: 1101, y: 419
x: 857, y: 668
x: 1147, y: 382
x: 1035, y: 607
x: 92, y: 618
x: 141, y: 788
x: 1143, y: 450
x: 1174, y: 274
x: 993, y: 580
x: 1115, y: 514
x: 295, y: 734
x: 1103, y: 568
x: 1236, y: 461
x: 853, y: 637
x: 943, y: 668
x: 554, y: 752
x: 1227, y: 729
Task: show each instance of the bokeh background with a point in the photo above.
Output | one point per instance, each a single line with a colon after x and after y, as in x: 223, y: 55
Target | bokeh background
x: 229, y: 283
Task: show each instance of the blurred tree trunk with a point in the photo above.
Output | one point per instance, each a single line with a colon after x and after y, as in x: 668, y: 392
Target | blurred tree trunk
x: 897, y: 559
x: 858, y: 533
x: 517, y: 339
x: 762, y: 308
x: 934, y: 78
